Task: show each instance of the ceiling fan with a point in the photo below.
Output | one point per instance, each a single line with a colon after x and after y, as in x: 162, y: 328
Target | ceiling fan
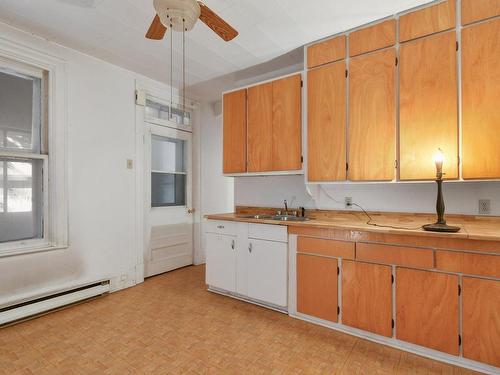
x: 181, y: 15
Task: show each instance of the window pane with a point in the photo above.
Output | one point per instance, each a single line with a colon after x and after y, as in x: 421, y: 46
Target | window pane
x: 168, y: 189
x: 167, y: 154
x: 20, y: 112
x: 21, y: 201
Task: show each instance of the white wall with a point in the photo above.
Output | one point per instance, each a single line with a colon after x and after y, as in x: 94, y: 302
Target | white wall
x: 460, y: 197
x: 102, y: 199
x: 217, y: 191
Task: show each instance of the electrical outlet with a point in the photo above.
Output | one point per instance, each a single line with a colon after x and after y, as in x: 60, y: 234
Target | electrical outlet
x: 484, y: 207
x: 130, y: 164
x: 348, y: 202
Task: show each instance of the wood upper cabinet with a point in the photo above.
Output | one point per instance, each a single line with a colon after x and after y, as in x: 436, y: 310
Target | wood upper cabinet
x: 287, y: 124
x: 372, y: 117
x: 480, y: 96
x: 317, y: 286
x: 235, y: 132
x: 260, y: 128
x: 477, y: 10
x: 427, y: 309
x: 326, y: 92
x: 427, y: 21
x: 326, y: 52
x: 481, y: 320
x: 372, y: 38
x: 367, y: 297
x: 428, y: 107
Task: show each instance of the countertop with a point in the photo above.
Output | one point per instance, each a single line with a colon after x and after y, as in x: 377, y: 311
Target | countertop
x: 472, y: 227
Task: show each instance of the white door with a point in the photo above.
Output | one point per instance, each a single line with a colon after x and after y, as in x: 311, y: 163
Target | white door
x: 221, y: 261
x: 168, y: 199
x: 267, y: 271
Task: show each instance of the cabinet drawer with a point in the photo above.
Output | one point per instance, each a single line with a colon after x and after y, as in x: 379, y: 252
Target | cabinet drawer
x: 268, y: 232
x: 399, y: 255
x: 320, y: 246
x: 221, y: 227
x: 472, y: 264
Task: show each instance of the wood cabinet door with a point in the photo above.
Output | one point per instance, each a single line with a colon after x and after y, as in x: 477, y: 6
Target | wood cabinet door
x: 367, y: 297
x: 221, y: 261
x: 260, y: 128
x: 372, y: 38
x: 481, y: 320
x: 426, y: 21
x: 287, y: 124
x: 325, y: 52
x: 372, y: 117
x: 268, y: 271
x: 428, y: 107
x: 235, y: 132
x: 317, y: 286
x: 326, y: 125
x: 480, y: 100
x: 477, y: 10
x: 427, y: 309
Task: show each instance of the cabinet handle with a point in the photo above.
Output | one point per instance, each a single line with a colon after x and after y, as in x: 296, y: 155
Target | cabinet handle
x: 220, y: 226
x: 232, y: 244
x: 250, y: 247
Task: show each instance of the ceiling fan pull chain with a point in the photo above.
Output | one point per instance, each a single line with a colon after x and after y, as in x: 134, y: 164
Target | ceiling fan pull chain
x: 171, y: 72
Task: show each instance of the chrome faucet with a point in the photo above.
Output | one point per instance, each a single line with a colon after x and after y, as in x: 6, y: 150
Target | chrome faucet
x: 286, y: 207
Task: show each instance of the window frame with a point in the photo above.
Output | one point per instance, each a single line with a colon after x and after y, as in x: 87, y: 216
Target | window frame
x: 29, y: 61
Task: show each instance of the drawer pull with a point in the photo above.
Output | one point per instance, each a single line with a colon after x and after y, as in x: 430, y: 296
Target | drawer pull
x: 220, y: 226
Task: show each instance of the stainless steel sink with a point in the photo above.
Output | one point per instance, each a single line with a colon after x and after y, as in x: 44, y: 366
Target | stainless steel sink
x: 263, y: 216
x: 289, y: 218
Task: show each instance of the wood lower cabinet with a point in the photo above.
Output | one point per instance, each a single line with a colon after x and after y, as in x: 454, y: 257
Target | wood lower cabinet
x: 428, y: 107
x: 327, y: 123
x: 427, y: 309
x: 367, y: 297
x: 260, y: 128
x: 480, y: 93
x: 235, y: 132
x: 372, y: 117
x: 317, y: 286
x: 481, y: 320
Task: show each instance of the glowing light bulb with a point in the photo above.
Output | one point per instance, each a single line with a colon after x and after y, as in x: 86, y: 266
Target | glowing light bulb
x: 439, y: 159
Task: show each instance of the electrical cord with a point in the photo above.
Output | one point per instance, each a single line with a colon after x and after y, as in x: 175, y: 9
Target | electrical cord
x: 370, y: 219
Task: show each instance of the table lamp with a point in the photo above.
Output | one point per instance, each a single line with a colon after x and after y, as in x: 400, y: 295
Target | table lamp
x: 440, y: 225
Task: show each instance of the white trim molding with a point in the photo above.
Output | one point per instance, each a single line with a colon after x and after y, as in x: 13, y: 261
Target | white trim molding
x: 56, y: 230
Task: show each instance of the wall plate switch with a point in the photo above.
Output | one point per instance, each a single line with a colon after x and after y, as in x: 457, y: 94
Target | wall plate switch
x: 484, y: 207
x: 348, y: 202
x: 130, y: 164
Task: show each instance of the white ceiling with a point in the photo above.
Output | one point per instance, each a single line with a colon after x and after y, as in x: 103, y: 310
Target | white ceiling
x: 113, y: 30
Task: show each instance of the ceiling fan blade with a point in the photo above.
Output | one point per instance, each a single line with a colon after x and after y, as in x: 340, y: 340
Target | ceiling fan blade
x: 156, y: 30
x: 217, y: 24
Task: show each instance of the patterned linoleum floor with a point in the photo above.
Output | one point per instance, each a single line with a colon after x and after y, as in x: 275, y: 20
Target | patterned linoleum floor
x: 171, y: 325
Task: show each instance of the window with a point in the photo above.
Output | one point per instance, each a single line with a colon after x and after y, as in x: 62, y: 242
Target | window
x: 172, y: 113
x: 168, y: 172
x: 22, y: 160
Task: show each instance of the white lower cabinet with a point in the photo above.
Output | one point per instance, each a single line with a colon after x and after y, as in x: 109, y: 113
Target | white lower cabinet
x: 268, y: 271
x: 221, y: 261
x: 254, y: 267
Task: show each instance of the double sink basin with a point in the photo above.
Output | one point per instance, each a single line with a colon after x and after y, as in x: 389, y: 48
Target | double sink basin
x: 275, y: 217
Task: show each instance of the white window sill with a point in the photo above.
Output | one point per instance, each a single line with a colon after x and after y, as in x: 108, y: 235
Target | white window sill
x: 27, y: 247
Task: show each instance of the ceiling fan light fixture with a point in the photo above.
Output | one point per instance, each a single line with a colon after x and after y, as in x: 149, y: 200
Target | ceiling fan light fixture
x: 180, y: 15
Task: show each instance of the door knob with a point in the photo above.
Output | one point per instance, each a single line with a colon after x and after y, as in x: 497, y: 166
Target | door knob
x: 190, y: 210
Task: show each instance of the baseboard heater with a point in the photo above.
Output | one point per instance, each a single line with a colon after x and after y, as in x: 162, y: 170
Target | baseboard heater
x: 42, y: 305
